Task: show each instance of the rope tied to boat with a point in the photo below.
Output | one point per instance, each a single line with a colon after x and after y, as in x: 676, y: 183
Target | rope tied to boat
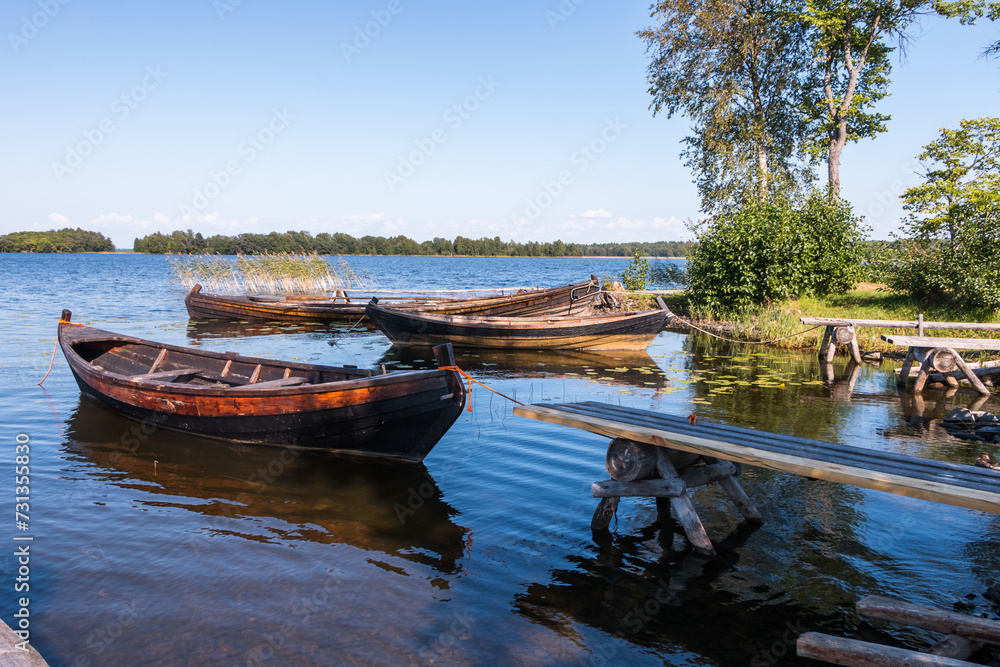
x: 471, y: 380
x: 334, y: 341
x: 53, y: 359
x: 56, y: 345
x: 691, y: 324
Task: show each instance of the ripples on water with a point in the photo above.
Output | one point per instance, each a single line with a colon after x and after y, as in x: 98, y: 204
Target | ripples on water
x: 173, y: 550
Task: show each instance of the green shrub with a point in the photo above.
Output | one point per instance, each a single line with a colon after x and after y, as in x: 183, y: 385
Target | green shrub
x: 769, y: 251
x: 636, y: 275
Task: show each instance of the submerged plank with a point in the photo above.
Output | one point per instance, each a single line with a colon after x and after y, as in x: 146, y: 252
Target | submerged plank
x: 929, y: 618
x: 855, y: 653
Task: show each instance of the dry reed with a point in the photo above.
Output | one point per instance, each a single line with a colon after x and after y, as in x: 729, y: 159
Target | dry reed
x: 279, y: 273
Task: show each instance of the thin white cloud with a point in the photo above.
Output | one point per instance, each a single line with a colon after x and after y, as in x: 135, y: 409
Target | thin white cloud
x: 364, y: 217
x: 593, y: 213
x: 624, y: 223
x: 58, y: 218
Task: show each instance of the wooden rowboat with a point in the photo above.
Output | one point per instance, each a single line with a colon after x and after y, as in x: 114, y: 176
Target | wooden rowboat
x: 630, y: 331
x: 397, y: 415
x: 575, y: 299
x: 202, y: 305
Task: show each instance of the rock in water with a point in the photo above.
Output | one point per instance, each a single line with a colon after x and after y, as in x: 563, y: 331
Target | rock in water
x: 962, y: 415
x: 986, y: 461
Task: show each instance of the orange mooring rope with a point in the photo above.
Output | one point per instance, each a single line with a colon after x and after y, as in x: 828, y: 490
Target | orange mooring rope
x: 471, y: 380
x: 53, y: 359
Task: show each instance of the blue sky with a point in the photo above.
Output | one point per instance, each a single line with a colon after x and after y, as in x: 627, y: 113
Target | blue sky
x: 524, y: 120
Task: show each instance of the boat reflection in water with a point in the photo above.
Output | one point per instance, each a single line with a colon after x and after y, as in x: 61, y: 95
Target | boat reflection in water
x: 197, y: 330
x: 314, y: 497
x: 633, y: 368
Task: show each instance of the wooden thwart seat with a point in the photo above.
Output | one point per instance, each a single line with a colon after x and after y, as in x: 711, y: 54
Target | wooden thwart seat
x: 271, y: 384
x: 177, y: 372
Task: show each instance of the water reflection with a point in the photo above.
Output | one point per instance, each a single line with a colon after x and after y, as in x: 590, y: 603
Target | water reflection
x: 674, y: 605
x: 635, y: 368
x: 379, y: 507
x: 197, y: 330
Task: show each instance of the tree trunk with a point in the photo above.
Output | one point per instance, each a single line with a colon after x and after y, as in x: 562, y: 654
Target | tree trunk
x: 762, y: 176
x: 838, y: 140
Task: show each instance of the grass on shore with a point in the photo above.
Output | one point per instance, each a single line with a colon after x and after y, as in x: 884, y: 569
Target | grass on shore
x: 868, y: 302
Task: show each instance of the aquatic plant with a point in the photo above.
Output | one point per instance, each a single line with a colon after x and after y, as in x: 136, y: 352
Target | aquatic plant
x: 277, y: 273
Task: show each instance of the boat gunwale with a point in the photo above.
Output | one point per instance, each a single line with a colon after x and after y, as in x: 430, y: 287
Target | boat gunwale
x: 68, y: 339
x: 517, y: 323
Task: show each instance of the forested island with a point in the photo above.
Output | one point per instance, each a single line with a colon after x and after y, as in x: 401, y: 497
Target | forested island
x: 61, y: 240
x: 185, y: 242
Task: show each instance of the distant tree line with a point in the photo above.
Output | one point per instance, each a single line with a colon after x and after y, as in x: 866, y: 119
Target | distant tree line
x: 344, y: 244
x: 62, y: 240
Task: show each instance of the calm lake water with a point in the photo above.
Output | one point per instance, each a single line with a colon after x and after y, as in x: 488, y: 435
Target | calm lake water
x: 483, y: 555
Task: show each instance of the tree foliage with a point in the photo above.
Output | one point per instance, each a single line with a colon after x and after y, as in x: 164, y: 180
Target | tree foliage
x: 852, y: 42
x: 953, y: 229
x: 344, y: 244
x: 768, y: 251
x: 62, y: 240
x: 737, y: 69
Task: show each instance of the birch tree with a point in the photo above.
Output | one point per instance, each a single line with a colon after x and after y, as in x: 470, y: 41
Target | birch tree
x: 738, y: 70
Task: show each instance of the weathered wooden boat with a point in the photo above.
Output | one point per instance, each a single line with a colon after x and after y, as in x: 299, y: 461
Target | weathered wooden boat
x: 629, y: 331
x: 396, y: 415
x: 575, y: 299
x: 252, y: 308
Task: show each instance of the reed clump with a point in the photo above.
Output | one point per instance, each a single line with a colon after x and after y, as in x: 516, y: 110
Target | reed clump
x: 277, y: 273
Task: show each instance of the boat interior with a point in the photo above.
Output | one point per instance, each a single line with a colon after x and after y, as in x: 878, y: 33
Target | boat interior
x: 150, y: 363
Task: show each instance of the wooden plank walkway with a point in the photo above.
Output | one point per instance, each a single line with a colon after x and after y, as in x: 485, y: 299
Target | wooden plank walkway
x: 940, y: 354
x: 939, y: 481
x: 936, y: 341
x: 842, y: 331
x: 898, y: 324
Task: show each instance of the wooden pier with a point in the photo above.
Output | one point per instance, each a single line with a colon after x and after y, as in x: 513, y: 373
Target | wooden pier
x: 843, y: 331
x: 939, y: 357
x: 712, y: 443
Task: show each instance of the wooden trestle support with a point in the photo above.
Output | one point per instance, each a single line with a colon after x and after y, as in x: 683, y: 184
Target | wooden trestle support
x: 638, y: 469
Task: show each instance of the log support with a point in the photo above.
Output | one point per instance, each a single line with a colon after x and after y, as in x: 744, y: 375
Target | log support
x: 643, y: 470
x: 942, y: 364
x: 839, y: 335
